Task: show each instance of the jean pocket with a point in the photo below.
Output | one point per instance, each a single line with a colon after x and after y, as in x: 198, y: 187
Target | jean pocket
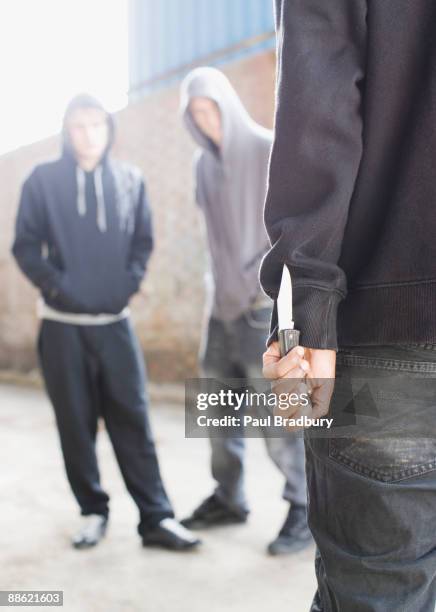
x: 385, y: 460
x: 395, y: 359
x: 388, y: 395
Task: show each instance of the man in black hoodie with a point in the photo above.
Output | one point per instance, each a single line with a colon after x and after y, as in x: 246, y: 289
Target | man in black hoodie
x: 83, y: 238
x: 351, y: 212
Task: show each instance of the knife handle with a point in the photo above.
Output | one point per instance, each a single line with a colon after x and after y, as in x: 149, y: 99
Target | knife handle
x: 288, y: 339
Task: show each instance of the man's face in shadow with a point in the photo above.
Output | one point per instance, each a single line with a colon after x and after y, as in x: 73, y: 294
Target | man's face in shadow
x: 207, y: 116
x: 88, y: 133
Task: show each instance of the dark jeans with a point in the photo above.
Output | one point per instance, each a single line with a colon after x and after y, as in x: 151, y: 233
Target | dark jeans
x: 372, y: 494
x: 99, y: 369
x: 234, y: 350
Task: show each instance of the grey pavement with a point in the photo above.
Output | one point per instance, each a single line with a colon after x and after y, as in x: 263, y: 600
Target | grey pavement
x: 230, y: 573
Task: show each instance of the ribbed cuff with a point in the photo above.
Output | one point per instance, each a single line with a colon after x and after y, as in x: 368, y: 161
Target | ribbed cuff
x: 315, y: 315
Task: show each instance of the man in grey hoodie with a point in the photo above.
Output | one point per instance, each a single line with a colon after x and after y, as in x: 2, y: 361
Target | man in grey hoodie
x: 231, y: 177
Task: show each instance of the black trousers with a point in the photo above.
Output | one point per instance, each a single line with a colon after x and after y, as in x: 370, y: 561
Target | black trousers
x: 99, y: 370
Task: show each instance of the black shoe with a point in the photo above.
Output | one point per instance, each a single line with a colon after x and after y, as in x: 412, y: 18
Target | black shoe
x: 91, y: 531
x: 170, y: 534
x: 211, y: 513
x: 294, y: 535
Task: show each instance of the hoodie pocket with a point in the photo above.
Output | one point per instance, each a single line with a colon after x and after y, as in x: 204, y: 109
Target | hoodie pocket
x: 107, y: 293
x: 65, y: 298
x: 119, y: 294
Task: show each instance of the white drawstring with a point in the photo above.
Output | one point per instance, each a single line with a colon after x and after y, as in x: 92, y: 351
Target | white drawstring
x: 99, y: 194
x: 101, y: 208
x: 81, y: 199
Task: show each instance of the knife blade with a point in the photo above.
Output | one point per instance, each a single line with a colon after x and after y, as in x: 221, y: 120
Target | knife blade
x: 288, y: 336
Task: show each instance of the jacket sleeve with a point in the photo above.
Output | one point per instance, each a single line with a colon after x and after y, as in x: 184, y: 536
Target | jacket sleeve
x: 315, y: 157
x: 30, y: 236
x: 142, y: 241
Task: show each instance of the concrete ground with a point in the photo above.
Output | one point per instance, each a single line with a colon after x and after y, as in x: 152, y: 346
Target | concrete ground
x: 231, y: 572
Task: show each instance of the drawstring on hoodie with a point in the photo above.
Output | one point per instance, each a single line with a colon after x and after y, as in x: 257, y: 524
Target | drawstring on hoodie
x: 99, y: 193
x: 81, y: 200
x: 101, y: 208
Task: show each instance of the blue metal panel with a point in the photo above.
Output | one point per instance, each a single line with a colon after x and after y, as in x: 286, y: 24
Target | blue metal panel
x: 166, y: 35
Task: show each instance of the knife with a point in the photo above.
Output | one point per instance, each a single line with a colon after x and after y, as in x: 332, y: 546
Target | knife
x: 288, y: 336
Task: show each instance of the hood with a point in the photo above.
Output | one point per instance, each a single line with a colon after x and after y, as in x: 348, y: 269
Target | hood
x: 85, y: 101
x: 230, y: 190
x: 237, y: 125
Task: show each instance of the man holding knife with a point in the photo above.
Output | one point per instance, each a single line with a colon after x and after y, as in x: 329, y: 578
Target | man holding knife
x: 350, y: 212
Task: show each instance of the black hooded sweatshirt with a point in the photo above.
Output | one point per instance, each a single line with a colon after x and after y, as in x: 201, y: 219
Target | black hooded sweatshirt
x: 84, y: 238
x: 351, y: 206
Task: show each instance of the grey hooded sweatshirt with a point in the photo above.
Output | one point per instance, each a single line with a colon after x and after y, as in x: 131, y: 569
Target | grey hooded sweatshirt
x: 230, y: 189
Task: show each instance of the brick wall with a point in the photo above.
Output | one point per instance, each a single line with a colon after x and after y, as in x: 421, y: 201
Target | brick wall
x: 168, y: 312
